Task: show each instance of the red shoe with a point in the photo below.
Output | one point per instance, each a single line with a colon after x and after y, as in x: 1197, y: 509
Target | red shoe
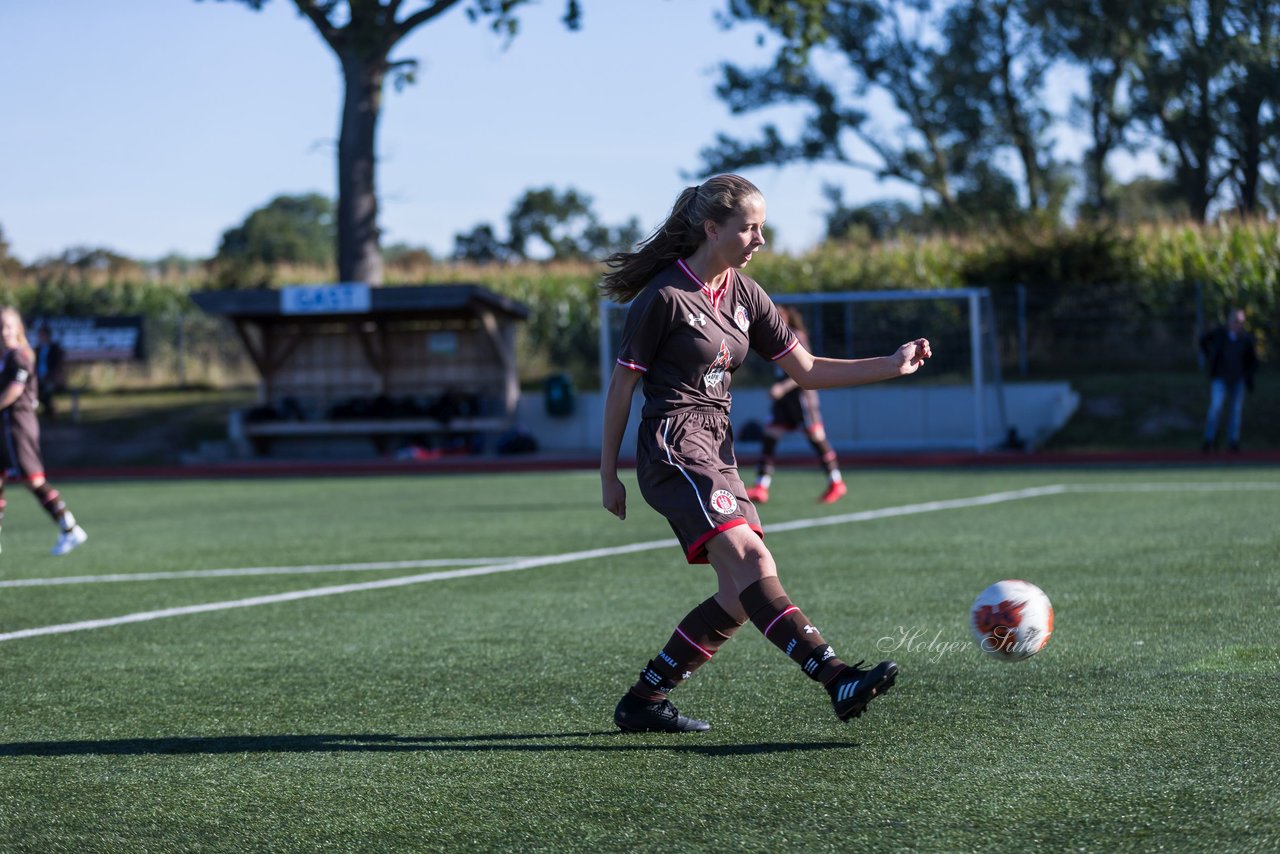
x: 758, y: 494
x: 834, y: 493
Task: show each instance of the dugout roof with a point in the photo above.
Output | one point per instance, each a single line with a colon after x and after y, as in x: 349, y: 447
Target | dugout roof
x: 321, y: 347
x: 434, y: 300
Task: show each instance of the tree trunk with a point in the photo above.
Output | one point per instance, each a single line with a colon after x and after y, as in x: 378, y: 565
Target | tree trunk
x: 359, y: 249
x: 1248, y: 145
x: 1015, y: 119
x: 1194, y: 179
x: 1106, y: 132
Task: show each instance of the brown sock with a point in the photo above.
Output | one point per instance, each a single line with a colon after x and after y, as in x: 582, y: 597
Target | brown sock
x: 52, y: 502
x: 787, y: 628
x: 703, y: 631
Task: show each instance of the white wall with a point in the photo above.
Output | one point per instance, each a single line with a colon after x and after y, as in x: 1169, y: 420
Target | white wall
x: 876, y: 418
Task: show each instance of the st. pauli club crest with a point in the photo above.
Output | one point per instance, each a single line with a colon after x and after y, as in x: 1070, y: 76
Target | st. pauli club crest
x: 723, y: 502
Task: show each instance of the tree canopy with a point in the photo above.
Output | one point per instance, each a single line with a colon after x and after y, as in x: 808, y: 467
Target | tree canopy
x: 1195, y: 80
x: 8, y: 264
x: 362, y: 34
x: 287, y: 230
x: 546, y: 224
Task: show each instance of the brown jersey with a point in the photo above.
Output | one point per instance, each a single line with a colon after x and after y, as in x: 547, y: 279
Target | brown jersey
x: 19, y: 429
x: 688, y: 340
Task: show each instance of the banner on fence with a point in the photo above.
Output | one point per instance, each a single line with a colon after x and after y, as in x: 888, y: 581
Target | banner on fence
x: 95, y: 339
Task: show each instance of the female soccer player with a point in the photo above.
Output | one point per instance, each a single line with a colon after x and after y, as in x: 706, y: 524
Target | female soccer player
x: 20, y: 449
x: 796, y: 408
x: 692, y: 317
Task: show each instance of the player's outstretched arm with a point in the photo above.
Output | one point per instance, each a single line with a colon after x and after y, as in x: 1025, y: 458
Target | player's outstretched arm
x: 816, y: 372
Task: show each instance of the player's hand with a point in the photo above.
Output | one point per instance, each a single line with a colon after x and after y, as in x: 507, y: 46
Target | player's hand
x: 912, y: 355
x: 614, y: 496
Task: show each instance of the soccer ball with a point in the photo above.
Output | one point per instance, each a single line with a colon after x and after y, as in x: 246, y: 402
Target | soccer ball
x: 1011, y: 620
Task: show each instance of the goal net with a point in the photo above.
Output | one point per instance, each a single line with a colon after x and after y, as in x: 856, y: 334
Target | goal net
x: 956, y: 402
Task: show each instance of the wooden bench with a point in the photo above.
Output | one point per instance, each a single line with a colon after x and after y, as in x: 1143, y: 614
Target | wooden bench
x: 378, y: 430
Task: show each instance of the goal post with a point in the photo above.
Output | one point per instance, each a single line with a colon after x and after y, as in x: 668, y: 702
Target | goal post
x: 961, y: 387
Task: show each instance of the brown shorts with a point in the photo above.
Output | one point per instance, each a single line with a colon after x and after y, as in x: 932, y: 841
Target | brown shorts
x: 796, y: 410
x: 688, y: 473
x: 20, y: 445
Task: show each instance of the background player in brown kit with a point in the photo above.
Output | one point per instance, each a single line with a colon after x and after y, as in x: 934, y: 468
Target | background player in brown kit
x: 20, y: 431
x: 692, y: 318
x: 796, y: 408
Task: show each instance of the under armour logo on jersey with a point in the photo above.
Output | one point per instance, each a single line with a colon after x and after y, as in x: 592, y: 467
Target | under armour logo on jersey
x: 698, y: 319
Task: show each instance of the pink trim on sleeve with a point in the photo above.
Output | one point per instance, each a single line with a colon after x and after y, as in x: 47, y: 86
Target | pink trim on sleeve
x: 795, y: 342
x: 635, y: 366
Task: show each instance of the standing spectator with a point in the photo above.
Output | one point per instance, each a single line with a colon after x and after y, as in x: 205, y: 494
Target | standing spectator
x: 50, y: 370
x: 20, y: 431
x: 1231, y: 358
x: 796, y: 408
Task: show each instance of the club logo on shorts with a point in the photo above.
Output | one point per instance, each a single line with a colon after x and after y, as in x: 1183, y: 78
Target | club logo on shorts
x: 723, y: 502
x: 741, y: 318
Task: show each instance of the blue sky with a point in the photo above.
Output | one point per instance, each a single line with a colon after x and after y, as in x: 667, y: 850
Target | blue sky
x: 151, y: 126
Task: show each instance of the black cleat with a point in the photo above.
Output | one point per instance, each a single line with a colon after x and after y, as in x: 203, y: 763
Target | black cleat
x: 855, y: 687
x: 636, y: 715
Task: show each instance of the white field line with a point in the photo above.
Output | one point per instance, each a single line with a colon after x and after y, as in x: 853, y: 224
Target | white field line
x: 926, y: 507
x: 404, y: 581
x: 1188, y: 486
x: 570, y: 557
x: 253, y: 570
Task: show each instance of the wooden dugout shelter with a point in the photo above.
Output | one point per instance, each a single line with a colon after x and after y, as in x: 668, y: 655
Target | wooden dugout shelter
x: 349, y: 360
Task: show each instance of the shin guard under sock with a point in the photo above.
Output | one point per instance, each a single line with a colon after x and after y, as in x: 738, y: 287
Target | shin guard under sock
x: 787, y: 628
x: 703, y: 631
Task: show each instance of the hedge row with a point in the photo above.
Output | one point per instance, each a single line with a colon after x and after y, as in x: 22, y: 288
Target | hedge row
x: 1088, y: 296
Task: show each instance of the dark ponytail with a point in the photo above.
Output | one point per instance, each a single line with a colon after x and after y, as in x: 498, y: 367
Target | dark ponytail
x: 715, y: 199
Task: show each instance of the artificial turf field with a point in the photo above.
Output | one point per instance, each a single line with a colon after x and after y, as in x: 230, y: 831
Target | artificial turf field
x: 471, y: 710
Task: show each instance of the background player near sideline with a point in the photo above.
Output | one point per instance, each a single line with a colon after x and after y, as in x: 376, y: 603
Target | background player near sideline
x: 20, y: 448
x: 796, y: 408
x: 692, y: 318
x: 51, y: 371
